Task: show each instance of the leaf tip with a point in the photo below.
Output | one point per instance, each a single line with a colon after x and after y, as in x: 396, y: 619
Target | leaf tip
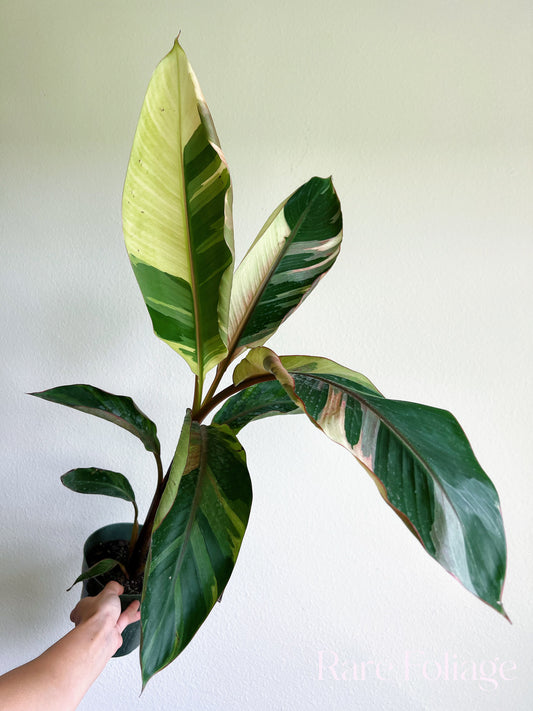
x: 504, y: 614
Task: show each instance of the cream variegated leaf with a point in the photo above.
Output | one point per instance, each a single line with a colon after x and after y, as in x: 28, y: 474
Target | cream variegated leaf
x: 296, y: 247
x: 177, y: 216
x: 195, y: 542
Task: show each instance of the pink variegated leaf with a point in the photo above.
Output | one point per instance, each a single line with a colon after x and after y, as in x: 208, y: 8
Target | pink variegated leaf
x: 418, y: 456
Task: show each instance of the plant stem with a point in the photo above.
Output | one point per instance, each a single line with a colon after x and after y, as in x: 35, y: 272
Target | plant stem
x: 134, y: 531
x: 209, y: 405
x: 221, y: 369
x: 159, y: 469
x: 233, y: 352
x: 140, y: 550
x: 197, y: 398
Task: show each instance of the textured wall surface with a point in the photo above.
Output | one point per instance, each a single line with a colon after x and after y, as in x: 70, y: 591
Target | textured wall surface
x: 421, y: 110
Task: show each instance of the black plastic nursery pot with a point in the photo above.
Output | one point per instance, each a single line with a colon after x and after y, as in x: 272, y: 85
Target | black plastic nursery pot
x: 131, y: 636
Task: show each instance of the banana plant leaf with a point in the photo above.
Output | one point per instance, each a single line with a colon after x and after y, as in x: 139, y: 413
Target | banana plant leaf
x: 92, y: 480
x: 177, y: 218
x: 296, y: 247
x: 119, y: 409
x: 196, y: 538
x: 103, y: 566
x: 418, y: 456
x: 255, y: 403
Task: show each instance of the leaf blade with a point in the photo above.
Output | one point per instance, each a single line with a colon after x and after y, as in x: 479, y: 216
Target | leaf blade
x: 255, y: 403
x: 99, y: 568
x: 177, y: 216
x: 195, y: 546
x: 119, y: 409
x: 92, y: 480
x: 418, y: 456
x: 296, y: 247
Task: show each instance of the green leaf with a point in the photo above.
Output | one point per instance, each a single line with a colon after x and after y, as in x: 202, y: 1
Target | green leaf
x: 195, y: 545
x: 177, y: 216
x: 294, y: 250
x: 99, y: 481
x: 255, y: 403
x: 103, y: 566
x: 119, y: 409
x: 177, y: 467
x: 419, y: 458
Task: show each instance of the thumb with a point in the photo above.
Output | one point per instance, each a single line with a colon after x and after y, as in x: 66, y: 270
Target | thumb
x: 131, y: 614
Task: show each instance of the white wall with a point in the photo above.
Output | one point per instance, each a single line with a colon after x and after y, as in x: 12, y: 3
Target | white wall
x: 421, y: 110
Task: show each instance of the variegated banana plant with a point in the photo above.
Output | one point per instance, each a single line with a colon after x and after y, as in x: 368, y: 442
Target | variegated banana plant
x: 178, y: 228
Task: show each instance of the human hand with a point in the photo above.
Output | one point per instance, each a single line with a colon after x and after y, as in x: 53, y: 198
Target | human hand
x: 59, y: 678
x: 104, y: 611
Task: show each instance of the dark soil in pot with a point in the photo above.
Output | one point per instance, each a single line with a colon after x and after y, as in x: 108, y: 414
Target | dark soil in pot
x: 118, y: 550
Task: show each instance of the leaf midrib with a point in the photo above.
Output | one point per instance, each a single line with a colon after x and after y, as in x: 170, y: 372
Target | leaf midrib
x: 121, y: 493
x: 195, y: 505
x: 188, y: 231
x: 264, y: 283
x: 393, y: 429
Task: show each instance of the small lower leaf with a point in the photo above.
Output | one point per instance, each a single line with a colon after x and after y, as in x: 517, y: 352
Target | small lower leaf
x: 99, y: 481
x: 103, y: 566
x: 119, y: 409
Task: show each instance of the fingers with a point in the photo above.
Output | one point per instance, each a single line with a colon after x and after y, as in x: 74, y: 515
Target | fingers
x: 75, y: 616
x: 107, y: 603
x: 131, y: 614
x: 82, y: 610
x: 113, y: 588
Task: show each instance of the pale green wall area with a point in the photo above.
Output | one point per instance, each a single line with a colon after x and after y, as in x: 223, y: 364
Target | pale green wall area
x: 421, y: 111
